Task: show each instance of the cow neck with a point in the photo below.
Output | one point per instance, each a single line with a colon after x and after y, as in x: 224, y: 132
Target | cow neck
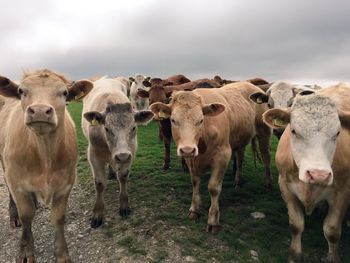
x: 48, y: 146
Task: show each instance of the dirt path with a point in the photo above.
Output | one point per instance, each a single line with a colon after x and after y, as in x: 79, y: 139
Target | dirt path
x: 132, y: 240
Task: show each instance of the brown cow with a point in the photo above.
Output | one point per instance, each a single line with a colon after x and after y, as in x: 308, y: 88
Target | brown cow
x: 157, y: 93
x: 38, y: 150
x: 312, y: 158
x: 208, y: 125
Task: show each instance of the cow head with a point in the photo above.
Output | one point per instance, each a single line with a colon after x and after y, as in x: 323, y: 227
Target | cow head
x: 314, y: 126
x: 118, y: 123
x: 187, y: 113
x: 44, y: 95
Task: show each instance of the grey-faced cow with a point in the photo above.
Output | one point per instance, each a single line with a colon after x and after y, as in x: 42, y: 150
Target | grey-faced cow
x: 109, y: 124
x: 38, y: 151
x: 208, y: 125
x: 137, y: 102
x: 312, y: 158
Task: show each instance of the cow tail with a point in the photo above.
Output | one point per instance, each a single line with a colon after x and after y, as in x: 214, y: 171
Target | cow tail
x: 256, y: 154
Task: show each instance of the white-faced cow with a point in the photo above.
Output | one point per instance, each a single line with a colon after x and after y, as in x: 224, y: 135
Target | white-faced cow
x: 208, y: 125
x: 313, y: 162
x: 109, y: 124
x: 38, y: 151
x: 280, y: 95
x: 137, y: 102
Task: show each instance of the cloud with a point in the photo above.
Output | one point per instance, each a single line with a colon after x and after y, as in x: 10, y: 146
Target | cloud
x: 290, y: 40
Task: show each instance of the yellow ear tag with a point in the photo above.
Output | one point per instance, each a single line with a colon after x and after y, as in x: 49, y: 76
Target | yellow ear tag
x: 259, y: 100
x: 94, y: 122
x: 80, y: 95
x: 163, y: 115
x: 279, y: 123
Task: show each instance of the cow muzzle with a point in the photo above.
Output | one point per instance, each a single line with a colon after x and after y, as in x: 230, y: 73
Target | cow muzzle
x: 122, y: 157
x: 41, y: 117
x: 318, y: 176
x: 187, y: 151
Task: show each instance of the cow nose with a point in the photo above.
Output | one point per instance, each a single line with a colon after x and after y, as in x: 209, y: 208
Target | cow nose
x: 122, y: 157
x: 187, y: 151
x: 40, y: 109
x: 319, y: 176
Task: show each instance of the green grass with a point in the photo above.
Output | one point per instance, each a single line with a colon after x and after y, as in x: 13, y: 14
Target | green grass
x: 166, y: 198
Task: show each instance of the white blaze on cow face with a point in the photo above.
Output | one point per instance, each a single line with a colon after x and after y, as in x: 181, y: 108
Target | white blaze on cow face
x: 280, y: 95
x: 315, y: 127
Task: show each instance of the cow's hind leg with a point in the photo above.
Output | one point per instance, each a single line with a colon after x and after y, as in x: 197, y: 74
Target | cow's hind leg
x: 124, y: 209
x: 26, y: 211
x: 14, y: 218
x: 239, y: 156
x: 167, y: 145
x: 98, y: 167
x: 264, y: 135
x: 59, y: 204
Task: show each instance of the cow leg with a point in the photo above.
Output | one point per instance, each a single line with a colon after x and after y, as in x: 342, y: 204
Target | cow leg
x: 124, y: 209
x: 332, y: 226
x: 239, y: 164
x: 167, y: 145
x: 59, y: 204
x: 296, y: 223
x: 98, y: 167
x: 196, y: 198
x: 26, y: 211
x: 14, y: 218
x: 264, y: 136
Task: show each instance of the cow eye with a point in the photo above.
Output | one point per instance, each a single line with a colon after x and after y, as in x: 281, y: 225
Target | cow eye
x: 293, y: 131
x: 134, y: 129
x: 21, y: 92
x: 173, y: 121
x: 199, y: 123
x: 269, y: 105
x: 106, y: 129
x: 65, y: 93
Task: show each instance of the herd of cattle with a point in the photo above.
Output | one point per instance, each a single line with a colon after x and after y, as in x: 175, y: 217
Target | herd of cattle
x: 210, y: 120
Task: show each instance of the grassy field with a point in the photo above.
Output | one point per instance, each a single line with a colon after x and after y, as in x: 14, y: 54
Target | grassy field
x: 164, y: 200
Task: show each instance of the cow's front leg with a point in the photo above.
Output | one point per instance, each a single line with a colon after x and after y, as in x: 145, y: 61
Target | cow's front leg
x: 167, y: 144
x: 219, y: 165
x: 239, y: 167
x: 196, y: 198
x: 332, y: 226
x: 296, y: 222
x: 264, y: 136
x: 26, y: 211
x: 97, y: 167
x: 59, y: 204
x: 124, y: 209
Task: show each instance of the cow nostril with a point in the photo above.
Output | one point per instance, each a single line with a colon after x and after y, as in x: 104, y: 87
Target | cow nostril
x: 193, y: 151
x: 30, y: 110
x: 49, y: 111
x: 309, y: 174
x: 122, y: 157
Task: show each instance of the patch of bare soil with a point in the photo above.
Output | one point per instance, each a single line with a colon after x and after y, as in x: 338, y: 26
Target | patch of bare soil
x: 133, y: 240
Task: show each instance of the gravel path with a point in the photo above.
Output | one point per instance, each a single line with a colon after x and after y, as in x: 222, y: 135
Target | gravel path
x: 141, y: 241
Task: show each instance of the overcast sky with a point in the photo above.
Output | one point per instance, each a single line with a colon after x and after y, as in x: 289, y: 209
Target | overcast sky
x: 298, y: 40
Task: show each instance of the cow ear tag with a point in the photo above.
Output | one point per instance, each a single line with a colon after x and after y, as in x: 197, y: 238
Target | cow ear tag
x: 279, y: 123
x: 94, y: 122
x: 259, y: 100
x: 163, y: 115
x: 80, y: 95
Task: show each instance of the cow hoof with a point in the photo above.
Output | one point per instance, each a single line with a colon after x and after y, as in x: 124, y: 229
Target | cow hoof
x: 165, y: 167
x: 193, y: 215
x: 213, y: 229
x: 96, y: 222
x: 15, y: 222
x: 26, y: 260
x: 295, y: 257
x: 124, y: 212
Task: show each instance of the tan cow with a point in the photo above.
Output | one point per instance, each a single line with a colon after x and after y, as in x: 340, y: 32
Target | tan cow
x: 38, y: 150
x: 109, y: 124
x: 207, y: 126
x: 312, y: 158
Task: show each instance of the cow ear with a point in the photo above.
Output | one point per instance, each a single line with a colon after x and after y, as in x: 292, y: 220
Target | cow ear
x: 79, y: 90
x: 277, y: 118
x: 161, y: 110
x: 95, y: 118
x: 8, y: 88
x: 131, y: 79
x: 168, y: 93
x: 213, y: 109
x: 259, y: 97
x: 142, y: 93
x: 344, y: 117
x: 146, y: 83
x: 143, y: 117
x: 169, y: 83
